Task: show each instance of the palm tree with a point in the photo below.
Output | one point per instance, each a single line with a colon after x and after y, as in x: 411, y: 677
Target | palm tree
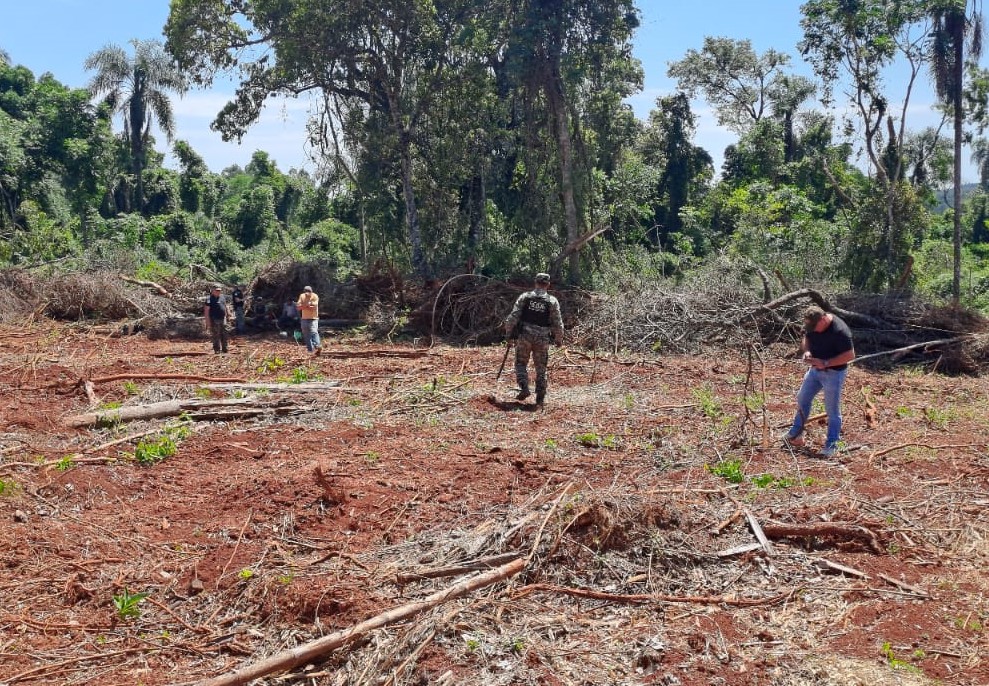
x: 137, y: 87
x: 952, y: 25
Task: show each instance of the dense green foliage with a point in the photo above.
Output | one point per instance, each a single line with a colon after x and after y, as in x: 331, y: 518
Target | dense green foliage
x: 496, y: 136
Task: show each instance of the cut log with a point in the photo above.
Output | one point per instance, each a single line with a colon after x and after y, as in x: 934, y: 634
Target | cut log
x: 288, y: 659
x: 167, y: 408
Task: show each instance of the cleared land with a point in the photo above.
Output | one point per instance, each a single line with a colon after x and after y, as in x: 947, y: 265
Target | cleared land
x: 341, y: 487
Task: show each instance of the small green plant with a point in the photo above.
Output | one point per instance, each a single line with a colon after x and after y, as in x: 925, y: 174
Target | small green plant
x: 299, y: 375
x: 203, y: 393
x: 245, y: 574
x: 628, y: 401
x: 372, y: 456
x: 589, y: 439
x: 111, y: 405
x: 708, y: 402
x: 967, y: 624
x: 65, y: 464
x: 473, y: 644
x: 894, y: 662
x: 239, y: 394
x: 354, y: 402
x: 763, y: 480
x: 127, y: 603
x: 754, y: 402
x: 153, y: 450
x: 285, y: 579
x: 903, y: 412
x: 130, y: 388
x: 517, y: 646
x: 939, y: 418
x: 8, y: 487
x: 551, y: 444
x: 593, y: 440
x: 729, y: 470
x: 270, y: 364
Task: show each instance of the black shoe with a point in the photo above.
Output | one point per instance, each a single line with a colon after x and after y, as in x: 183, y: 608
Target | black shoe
x: 523, y: 394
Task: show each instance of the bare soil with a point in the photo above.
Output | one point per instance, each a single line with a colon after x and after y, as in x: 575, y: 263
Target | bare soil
x: 625, y: 495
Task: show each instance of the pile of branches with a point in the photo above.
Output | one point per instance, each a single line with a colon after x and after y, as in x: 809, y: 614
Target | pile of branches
x: 20, y: 294
x: 347, y: 300
x: 472, y: 308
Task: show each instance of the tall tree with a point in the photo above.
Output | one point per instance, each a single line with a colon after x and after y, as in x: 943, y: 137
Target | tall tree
x: 138, y: 87
x: 851, y: 43
x: 391, y: 57
x: 667, y: 143
x: 553, y: 47
x: 739, y: 84
x: 957, y: 26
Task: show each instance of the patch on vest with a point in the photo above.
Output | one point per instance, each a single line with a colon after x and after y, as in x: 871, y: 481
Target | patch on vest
x: 536, y: 312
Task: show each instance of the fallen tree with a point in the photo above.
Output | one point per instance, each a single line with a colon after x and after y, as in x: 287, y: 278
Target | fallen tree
x: 195, y: 409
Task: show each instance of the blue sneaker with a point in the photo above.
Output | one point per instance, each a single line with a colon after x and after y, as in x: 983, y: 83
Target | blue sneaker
x: 828, y: 451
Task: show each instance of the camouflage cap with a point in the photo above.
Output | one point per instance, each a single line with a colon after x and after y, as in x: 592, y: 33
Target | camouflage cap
x: 542, y: 277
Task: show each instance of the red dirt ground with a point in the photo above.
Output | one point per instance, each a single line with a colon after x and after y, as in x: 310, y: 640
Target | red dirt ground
x: 628, y: 484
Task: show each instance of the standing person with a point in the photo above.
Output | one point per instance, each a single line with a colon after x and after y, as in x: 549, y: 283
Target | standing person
x: 827, y: 347
x: 215, y: 314
x: 238, y: 301
x: 309, y: 311
x: 534, y: 322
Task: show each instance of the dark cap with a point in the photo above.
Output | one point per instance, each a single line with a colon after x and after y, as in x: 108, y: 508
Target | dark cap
x: 542, y: 277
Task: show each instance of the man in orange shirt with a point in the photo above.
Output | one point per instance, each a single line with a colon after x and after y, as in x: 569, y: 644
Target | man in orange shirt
x: 309, y: 311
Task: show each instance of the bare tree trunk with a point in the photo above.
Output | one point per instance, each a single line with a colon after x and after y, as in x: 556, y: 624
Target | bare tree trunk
x: 558, y: 111
x: 419, y: 262
x: 958, y: 67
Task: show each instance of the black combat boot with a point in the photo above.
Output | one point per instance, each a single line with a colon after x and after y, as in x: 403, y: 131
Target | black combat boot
x: 524, y: 393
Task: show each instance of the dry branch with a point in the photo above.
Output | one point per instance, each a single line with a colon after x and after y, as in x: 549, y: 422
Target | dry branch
x: 915, y: 346
x: 163, y: 377
x: 148, y: 284
x: 821, y: 301
x: 305, y: 387
x: 294, y: 657
x: 825, y: 530
x: 454, y: 570
x: 640, y: 598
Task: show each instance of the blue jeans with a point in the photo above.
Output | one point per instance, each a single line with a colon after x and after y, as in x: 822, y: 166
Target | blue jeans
x: 310, y: 333
x: 831, y: 382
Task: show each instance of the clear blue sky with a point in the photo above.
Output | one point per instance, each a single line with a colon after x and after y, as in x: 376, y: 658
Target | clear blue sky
x: 57, y: 35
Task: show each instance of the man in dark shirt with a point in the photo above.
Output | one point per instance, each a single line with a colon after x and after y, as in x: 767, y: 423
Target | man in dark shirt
x: 827, y: 347
x: 215, y: 314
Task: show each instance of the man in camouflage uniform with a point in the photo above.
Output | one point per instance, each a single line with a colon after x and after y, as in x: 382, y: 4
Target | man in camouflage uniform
x: 537, y: 317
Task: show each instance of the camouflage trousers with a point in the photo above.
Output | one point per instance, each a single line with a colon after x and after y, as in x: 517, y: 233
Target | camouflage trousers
x: 538, y: 349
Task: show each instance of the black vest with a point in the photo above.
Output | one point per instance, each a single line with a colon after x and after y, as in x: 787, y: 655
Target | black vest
x: 535, y: 311
x: 217, y: 307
